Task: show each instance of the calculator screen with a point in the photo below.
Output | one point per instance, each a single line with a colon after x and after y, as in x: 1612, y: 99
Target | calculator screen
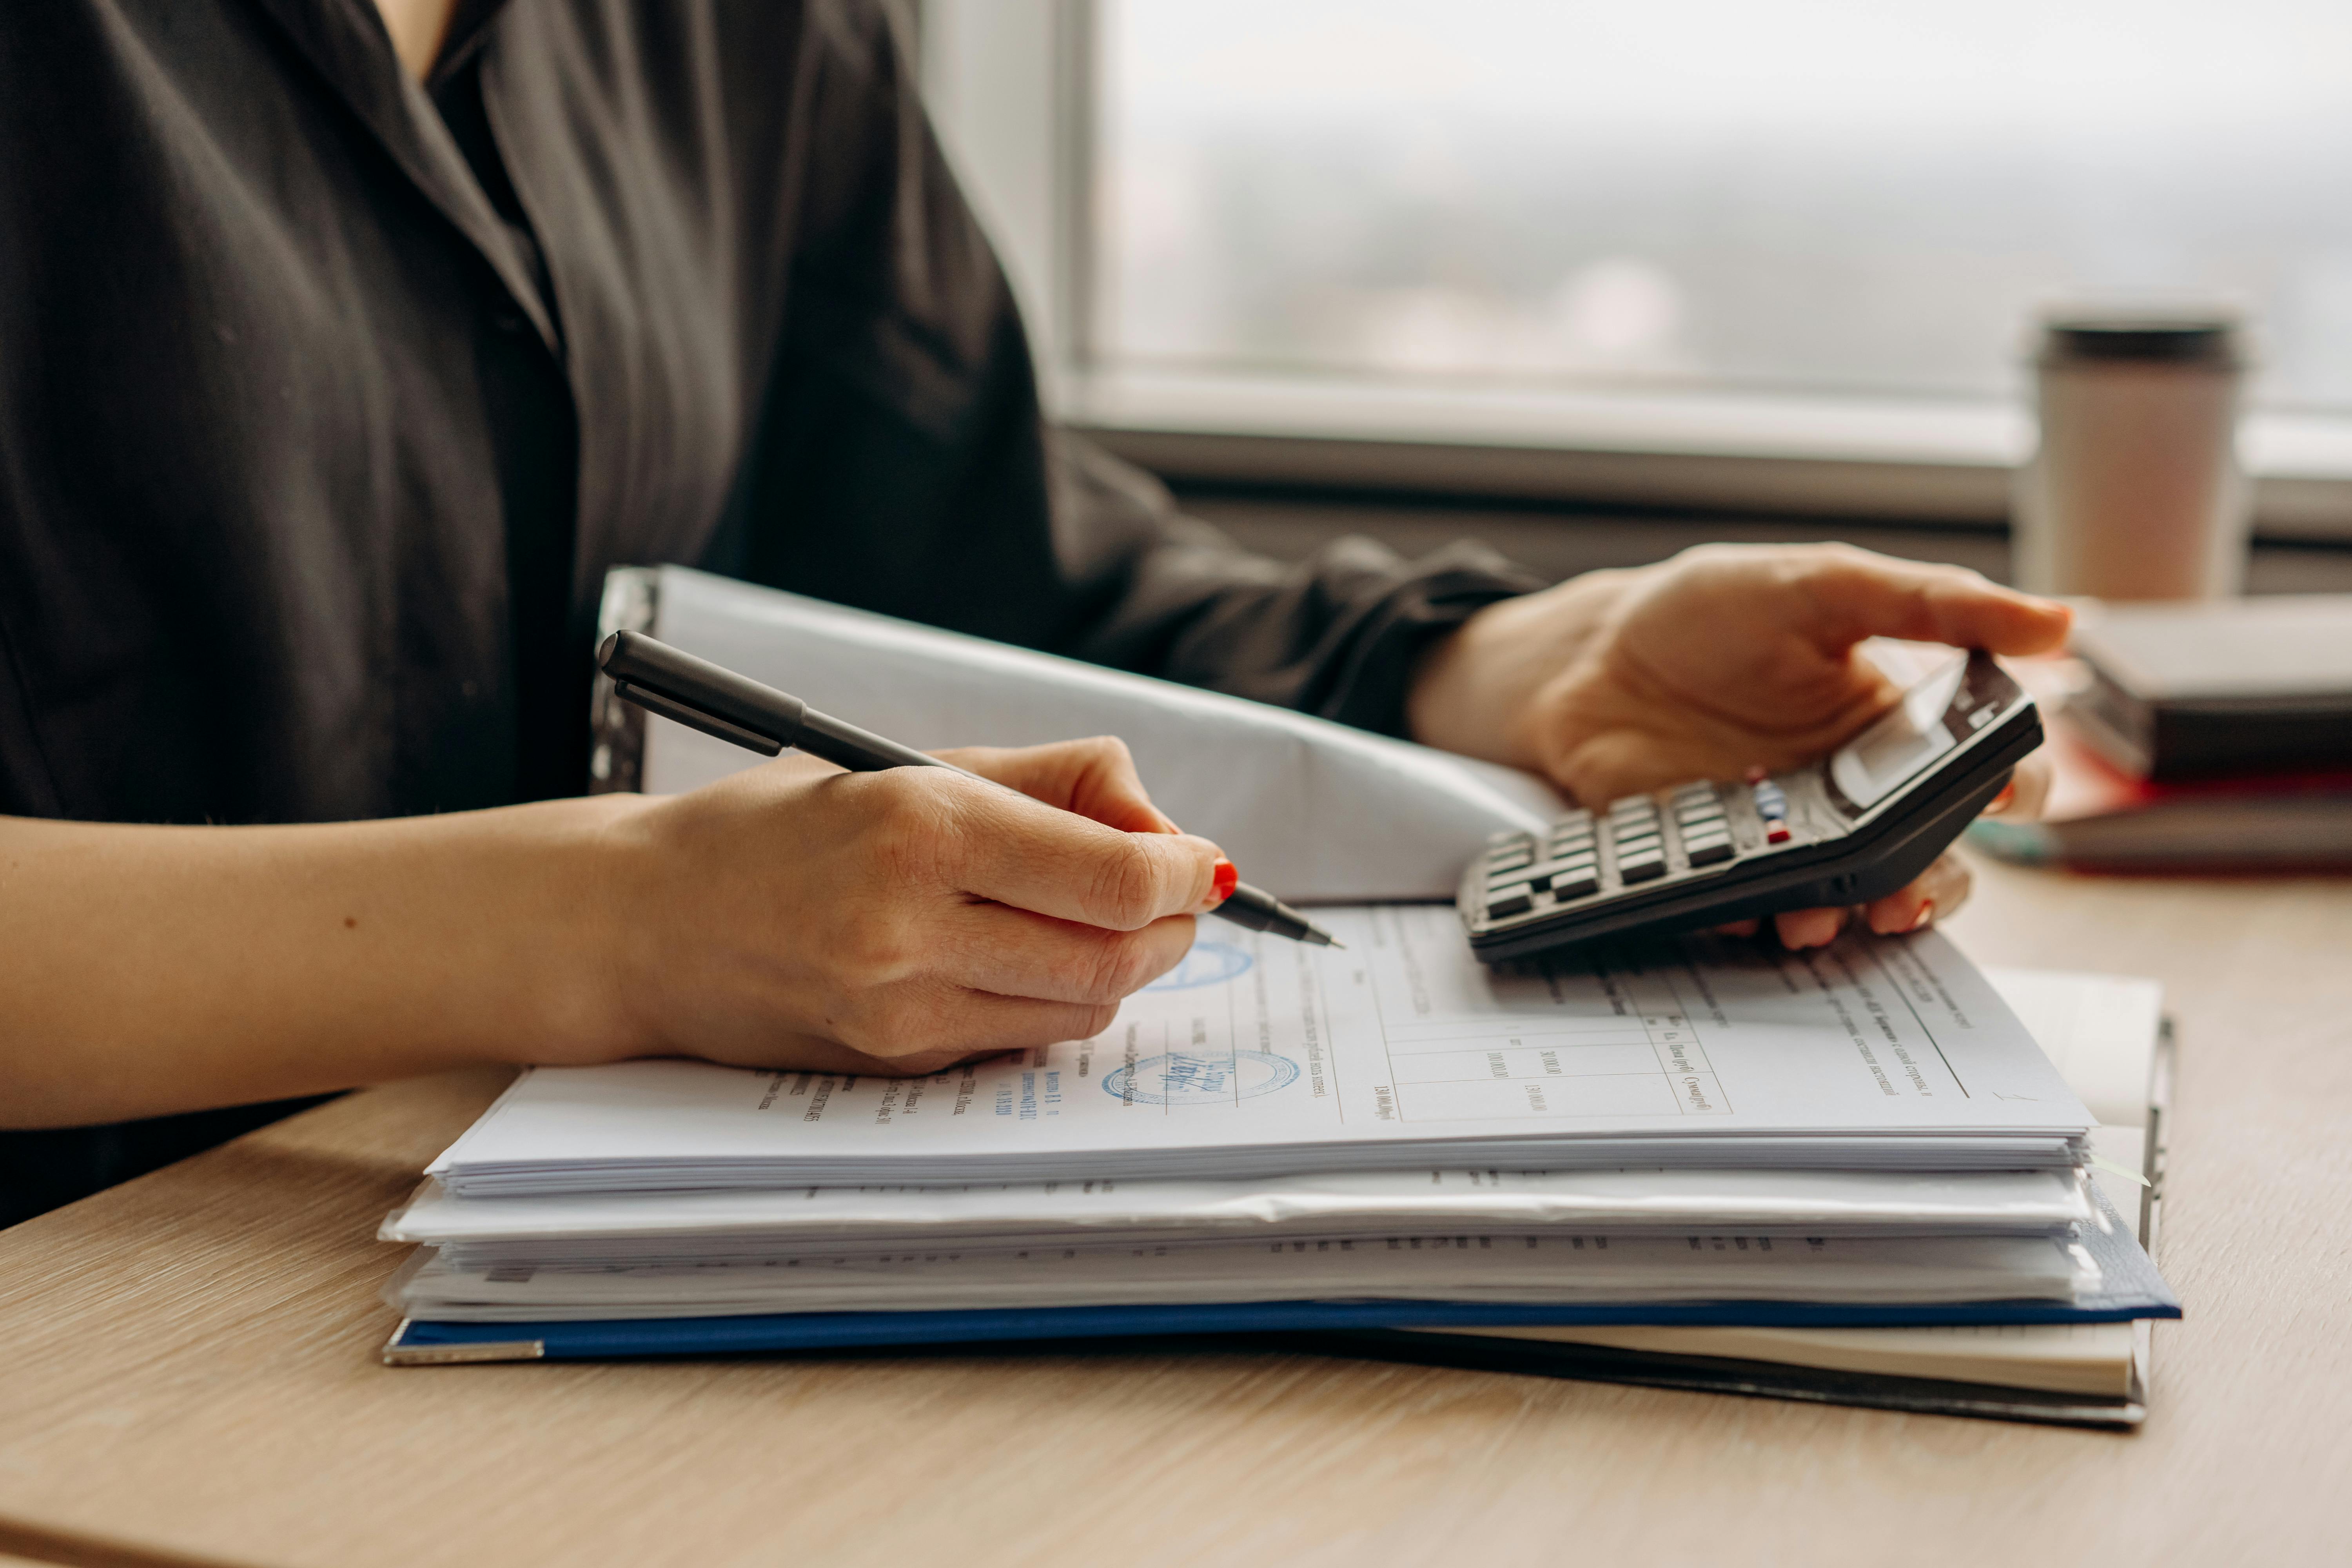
x: 1913, y: 735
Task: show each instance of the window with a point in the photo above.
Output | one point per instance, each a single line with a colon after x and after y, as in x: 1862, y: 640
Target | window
x: 1818, y: 229
x: 1812, y: 194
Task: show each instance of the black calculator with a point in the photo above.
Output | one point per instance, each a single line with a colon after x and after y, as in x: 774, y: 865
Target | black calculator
x: 1856, y: 825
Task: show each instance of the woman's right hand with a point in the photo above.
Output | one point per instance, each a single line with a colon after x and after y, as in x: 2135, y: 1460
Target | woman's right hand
x: 797, y: 915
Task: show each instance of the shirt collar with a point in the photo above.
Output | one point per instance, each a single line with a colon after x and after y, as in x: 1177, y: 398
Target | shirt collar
x: 345, y: 42
x: 468, y: 25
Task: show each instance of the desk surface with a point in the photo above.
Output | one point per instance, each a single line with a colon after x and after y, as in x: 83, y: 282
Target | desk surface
x: 190, y: 1374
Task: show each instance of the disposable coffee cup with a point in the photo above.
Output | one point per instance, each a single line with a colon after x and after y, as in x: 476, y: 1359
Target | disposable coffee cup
x: 2134, y: 490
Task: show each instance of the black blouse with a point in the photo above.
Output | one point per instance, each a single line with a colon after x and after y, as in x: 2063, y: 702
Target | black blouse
x: 326, y: 402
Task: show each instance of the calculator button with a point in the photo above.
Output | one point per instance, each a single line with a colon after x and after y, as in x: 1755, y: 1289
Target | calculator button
x: 1510, y: 859
x: 1517, y: 903
x: 1641, y: 867
x: 1637, y: 843
x: 1567, y: 885
x: 1708, y: 851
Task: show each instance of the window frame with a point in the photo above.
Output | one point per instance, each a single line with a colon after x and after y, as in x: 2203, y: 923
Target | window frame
x: 1015, y: 94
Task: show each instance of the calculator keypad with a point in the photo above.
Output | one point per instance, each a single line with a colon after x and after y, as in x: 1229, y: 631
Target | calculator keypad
x: 1704, y: 853
x: 1639, y: 839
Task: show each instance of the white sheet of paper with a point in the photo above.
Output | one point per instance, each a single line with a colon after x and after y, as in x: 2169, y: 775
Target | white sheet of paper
x: 626, y: 1227
x: 2098, y: 1030
x: 1260, y: 1056
x: 1309, y: 809
x: 1550, y: 1268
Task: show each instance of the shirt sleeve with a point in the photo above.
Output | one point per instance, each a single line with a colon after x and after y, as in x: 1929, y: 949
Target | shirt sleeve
x: 1336, y: 634
x: 902, y: 462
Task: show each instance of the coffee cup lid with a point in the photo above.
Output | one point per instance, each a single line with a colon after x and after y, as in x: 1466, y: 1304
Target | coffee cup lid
x: 2144, y: 337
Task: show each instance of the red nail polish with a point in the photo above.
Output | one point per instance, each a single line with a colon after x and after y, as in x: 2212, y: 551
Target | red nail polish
x: 1225, y: 878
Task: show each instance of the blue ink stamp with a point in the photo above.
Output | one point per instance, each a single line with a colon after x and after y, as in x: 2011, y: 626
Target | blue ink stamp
x: 1210, y: 963
x: 1179, y: 1078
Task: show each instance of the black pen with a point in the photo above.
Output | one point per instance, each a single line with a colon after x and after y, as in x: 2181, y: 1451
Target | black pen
x: 717, y: 701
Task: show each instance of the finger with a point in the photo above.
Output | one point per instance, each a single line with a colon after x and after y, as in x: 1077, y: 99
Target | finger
x: 1094, y: 777
x: 1022, y: 852
x: 1809, y: 928
x: 1012, y: 953
x: 991, y: 1023
x: 2028, y: 791
x: 1606, y: 767
x: 1940, y: 891
x: 925, y: 1028
x: 1856, y: 593
x: 797, y: 1053
x: 1737, y: 928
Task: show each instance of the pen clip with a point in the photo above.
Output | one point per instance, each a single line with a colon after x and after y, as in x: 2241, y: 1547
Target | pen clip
x: 695, y: 718
x: 699, y: 694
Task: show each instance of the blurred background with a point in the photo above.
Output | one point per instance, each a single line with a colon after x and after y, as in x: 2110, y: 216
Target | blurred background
x: 1595, y: 282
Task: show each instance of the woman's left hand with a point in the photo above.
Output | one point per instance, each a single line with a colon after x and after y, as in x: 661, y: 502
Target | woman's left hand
x: 1724, y: 658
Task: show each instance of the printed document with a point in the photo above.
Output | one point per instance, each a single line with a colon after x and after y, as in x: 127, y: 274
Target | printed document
x: 1259, y: 1057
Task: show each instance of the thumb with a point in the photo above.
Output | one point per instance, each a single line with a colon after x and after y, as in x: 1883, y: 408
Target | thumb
x: 1855, y: 594
x: 1095, y: 778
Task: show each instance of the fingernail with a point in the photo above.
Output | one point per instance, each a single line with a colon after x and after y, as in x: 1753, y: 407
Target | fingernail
x: 1926, y: 913
x: 1224, y: 879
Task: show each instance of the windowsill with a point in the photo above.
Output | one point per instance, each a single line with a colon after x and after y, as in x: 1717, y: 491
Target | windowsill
x: 1888, y: 458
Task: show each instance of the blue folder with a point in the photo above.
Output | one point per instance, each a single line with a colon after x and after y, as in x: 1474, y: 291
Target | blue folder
x: 2130, y: 1289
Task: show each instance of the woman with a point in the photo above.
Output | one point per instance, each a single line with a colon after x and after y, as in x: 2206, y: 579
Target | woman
x: 343, y: 350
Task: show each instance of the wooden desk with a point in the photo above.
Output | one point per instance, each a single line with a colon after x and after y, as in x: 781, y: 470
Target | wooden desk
x: 189, y: 1375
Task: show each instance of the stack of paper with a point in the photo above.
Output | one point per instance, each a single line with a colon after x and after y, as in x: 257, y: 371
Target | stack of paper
x: 1535, y: 1270
x: 1628, y: 1135
x: 627, y: 1228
